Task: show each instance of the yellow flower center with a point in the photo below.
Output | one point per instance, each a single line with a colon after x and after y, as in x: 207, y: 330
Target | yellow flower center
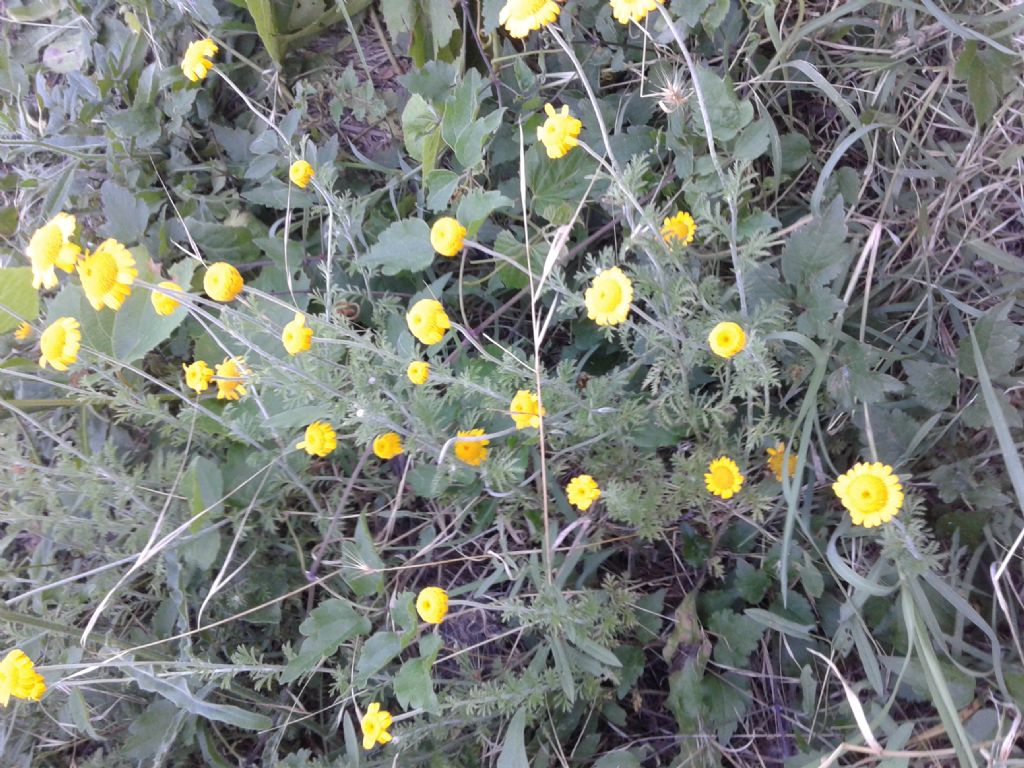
x: 869, y: 493
x: 100, y: 272
x: 609, y: 294
x: 722, y: 477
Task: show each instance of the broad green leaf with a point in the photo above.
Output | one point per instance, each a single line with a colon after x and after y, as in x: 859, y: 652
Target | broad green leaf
x: 376, y: 653
x: 932, y: 384
x: 263, y: 15
x: 366, y: 578
x: 413, y: 686
x: 476, y: 206
x: 817, y: 254
x: 205, y: 485
x: 441, y: 185
x: 330, y: 624
x: 18, y: 299
x: 513, y: 748
x: 989, y: 76
x: 137, y: 328
x: 754, y: 140
x: 403, y: 247
x: 751, y: 582
x: 727, y: 114
x: 738, y: 637
x: 419, y: 120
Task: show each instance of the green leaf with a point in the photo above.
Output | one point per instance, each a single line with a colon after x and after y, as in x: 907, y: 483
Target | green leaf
x: 176, y: 691
x: 402, y: 247
x: 18, y: 299
x: 752, y: 583
x: 375, y: 654
x: 476, y: 206
x: 933, y: 385
x: 460, y: 128
x: 366, y: 578
x: 419, y: 120
x: 330, y: 624
x: 726, y: 113
x: 754, y: 140
x: 857, y: 379
x: 999, y: 341
x: 738, y: 637
x: 205, y: 484
x: 137, y: 328
x: 989, y: 76
x: 413, y: 686
x: 441, y: 185
x: 513, y: 749
x: 817, y: 254
x: 263, y: 15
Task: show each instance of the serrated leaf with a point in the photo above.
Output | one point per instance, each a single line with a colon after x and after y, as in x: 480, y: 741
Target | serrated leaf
x: 726, y: 113
x: 18, y: 299
x: 402, y: 247
x: 751, y: 583
x: 817, y: 253
x: 738, y: 637
x: 932, y: 384
x: 333, y: 622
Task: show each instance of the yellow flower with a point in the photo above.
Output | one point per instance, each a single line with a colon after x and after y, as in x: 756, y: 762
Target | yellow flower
x: 320, y: 439
x: 196, y: 62
x: 608, y: 297
x: 387, y: 446
x: 59, y: 344
x: 375, y: 724
x: 198, y: 376
x: 626, y: 11
x: 472, y: 452
x: 418, y: 372
x: 300, y: 173
x: 51, y: 247
x: 427, y: 321
x: 775, y: 456
x: 18, y: 678
x: 162, y: 303
x: 432, y: 605
x: 230, y: 375
x: 723, y: 478
x: 520, y: 17
x: 871, y: 492
x: 558, y: 133
x: 296, y: 337
x: 446, y: 236
x: 23, y: 331
x: 107, y: 275
x: 727, y: 339
x: 582, y: 491
x: 222, y: 282
x: 525, y: 410
x: 680, y: 228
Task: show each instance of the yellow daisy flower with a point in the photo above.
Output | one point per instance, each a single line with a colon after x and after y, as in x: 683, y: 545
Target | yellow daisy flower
x: 231, y: 378
x: 18, y: 678
x: 163, y: 303
x: 626, y: 11
x: 375, y: 724
x: 727, y: 339
x: 107, y: 275
x: 432, y: 605
x: 320, y: 439
x: 23, y: 331
x: 300, y: 173
x: 418, y: 372
x: 428, y: 321
x: 198, y: 376
x: 222, y: 282
x: 525, y: 410
x: 559, y: 132
x: 775, y: 456
x: 472, y: 452
x: 680, y: 228
x: 582, y: 491
x: 871, y: 493
x: 59, y: 343
x: 387, y: 446
x: 723, y: 478
x: 296, y: 337
x: 608, y: 297
x: 520, y: 17
x: 447, y: 236
x: 196, y: 63
x: 51, y: 247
